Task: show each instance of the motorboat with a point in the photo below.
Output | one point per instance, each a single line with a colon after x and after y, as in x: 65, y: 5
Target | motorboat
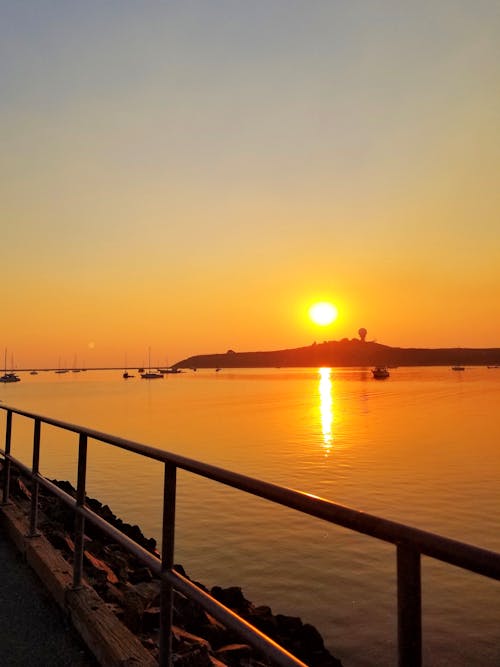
x: 127, y: 375
x: 380, y: 373
x: 10, y: 377
x: 167, y: 371
x: 458, y: 368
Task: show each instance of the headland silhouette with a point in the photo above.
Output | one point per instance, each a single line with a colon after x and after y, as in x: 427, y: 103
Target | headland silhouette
x: 354, y: 352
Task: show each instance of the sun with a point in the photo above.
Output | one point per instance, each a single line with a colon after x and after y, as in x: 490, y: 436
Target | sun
x: 323, y: 313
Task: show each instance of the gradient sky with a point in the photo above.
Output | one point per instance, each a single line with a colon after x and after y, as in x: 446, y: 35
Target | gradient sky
x: 191, y: 175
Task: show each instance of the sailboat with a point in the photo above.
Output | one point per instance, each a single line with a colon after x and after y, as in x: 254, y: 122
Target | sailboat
x: 126, y: 374
x: 149, y: 374
x: 11, y: 376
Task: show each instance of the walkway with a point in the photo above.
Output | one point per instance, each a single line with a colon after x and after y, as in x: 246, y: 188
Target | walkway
x: 33, y: 630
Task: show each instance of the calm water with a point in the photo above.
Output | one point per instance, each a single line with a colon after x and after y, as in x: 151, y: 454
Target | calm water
x: 422, y: 447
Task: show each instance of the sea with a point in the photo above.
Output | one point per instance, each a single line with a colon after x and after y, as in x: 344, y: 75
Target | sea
x: 421, y: 447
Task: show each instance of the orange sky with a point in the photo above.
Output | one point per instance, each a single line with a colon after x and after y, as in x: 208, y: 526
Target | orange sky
x: 190, y: 177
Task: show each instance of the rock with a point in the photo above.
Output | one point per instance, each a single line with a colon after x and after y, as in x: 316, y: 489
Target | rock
x: 149, y: 591
x: 187, y: 613
x: 133, y: 610
x: 231, y: 597
x: 140, y: 574
x: 233, y: 653
x: 288, y: 625
x: 193, y: 656
x: 263, y: 620
x: 151, y: 619
x: 310, y: 639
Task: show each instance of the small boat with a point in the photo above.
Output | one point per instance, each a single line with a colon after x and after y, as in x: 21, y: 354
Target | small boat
x: 380, y: 373
x: 33, y: 372
x: 167, y: 371
x: 150, y: 375
x: 127, y: 375
x: 458, y: 368
x: 10, y: 377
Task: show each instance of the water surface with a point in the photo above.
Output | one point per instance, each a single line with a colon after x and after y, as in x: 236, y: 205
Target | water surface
x: 421, y: 447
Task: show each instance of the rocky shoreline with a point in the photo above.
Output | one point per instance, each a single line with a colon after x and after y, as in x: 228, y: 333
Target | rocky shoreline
x: 132, y: 592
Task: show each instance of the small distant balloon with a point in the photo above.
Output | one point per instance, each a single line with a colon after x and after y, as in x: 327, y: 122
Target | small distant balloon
x: 362, y: 334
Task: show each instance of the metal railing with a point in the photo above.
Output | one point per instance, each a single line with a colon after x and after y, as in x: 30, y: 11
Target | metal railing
x: 410, y: 542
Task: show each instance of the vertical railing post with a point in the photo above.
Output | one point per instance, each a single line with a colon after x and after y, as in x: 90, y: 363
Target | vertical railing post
x: 167, y: 561
x: 409, y: 607
x: 35, y: 468
x: 6, y: 462
x: 79, y: 519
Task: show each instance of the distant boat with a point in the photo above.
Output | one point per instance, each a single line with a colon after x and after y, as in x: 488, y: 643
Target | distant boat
x: 380, y: 373
x: 127, y: 375
x: 11, y: 376
x: 458, y: 368
x: 167, y: 371
x: 218, y: 369
x: 33, y: 372
x: 149, y: 374
x: 493, y: 366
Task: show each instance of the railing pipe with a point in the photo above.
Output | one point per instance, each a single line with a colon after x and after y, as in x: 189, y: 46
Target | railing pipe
x: 35, y: 468
x: 79, y: 518
x: 167, y: 562
x: 409, y: 607
x: 6, y: 463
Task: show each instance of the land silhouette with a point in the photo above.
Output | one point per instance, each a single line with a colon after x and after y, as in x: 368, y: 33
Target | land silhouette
x: 354, y: 352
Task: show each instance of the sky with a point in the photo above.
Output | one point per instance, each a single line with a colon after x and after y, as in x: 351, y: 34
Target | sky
x: 184, y: 177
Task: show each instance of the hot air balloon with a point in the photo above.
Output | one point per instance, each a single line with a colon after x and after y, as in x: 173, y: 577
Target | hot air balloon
x: 362, y: 334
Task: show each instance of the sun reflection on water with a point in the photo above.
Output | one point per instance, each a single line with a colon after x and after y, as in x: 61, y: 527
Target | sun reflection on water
x: 326, y: 408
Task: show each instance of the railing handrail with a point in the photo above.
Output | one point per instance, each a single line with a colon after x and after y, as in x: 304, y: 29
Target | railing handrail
x: 410, y: 541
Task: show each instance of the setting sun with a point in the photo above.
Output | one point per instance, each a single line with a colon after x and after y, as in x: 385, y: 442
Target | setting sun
x: 323, y: 313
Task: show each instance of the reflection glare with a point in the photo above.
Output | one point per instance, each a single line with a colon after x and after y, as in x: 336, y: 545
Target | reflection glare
x: 326, y: 407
